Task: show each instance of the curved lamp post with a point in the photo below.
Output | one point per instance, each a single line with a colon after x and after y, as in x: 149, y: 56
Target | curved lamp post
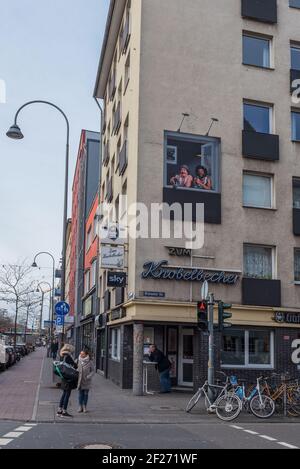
x: 39, y: 289
x: 34, y: 264
x: 15, y: 133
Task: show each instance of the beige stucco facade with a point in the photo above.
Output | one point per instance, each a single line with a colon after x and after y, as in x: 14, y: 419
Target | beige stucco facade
x: 187, y: 57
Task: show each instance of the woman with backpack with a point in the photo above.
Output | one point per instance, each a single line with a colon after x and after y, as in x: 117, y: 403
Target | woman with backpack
x: 67, y: 385
x: 86, y: 371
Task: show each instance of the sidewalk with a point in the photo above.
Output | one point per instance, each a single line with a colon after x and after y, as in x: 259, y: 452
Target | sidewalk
x: 110, y: 404
x: 18, y: 387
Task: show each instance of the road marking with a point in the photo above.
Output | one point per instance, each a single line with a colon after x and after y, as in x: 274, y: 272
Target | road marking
x: 5, y: 441
x: 13, y: 435
x: 265, y: 437
x: 22, y: 429
x: 251, y: 432
x: 287, y: 445
x: 30, y: 425
x: 36, y: 403
x: 269, y: 438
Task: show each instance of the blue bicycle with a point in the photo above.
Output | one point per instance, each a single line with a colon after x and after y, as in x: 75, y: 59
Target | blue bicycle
x: 259, y: 404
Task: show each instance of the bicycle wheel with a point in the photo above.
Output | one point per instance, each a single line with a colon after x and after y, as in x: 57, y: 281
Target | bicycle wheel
x: 293, y: 403
x: 262, y: 406
x: 228, y: 407
x: 191, y: 404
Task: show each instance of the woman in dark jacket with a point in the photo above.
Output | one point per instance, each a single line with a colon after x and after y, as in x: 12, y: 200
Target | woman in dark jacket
x: 66, y: 356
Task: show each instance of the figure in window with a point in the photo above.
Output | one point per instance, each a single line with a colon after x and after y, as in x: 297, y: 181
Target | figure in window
x: 202, y: 180
x: 183, y: 179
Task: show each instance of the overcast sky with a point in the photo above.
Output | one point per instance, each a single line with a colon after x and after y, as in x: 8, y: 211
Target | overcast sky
x: 48, y: 50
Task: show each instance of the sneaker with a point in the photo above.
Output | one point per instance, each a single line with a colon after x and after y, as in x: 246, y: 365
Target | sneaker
x: 59, y: 412
x: 65, y: 414
x: 84, y: 410
x: 80, y: 410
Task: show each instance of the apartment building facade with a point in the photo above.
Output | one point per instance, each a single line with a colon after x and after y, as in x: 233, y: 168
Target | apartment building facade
x: 234, y: 61
x: 84, y: 198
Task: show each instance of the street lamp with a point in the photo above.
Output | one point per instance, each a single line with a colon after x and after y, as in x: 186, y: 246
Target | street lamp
x: 39, y: 289
x: 16, y: 134
x: 34, y: 264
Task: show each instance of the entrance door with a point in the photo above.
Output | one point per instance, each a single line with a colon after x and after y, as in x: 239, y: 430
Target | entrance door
x: 101, y: 346
x: 186, y: 357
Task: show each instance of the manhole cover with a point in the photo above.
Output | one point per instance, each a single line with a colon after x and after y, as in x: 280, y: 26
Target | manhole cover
x: 99, y: 446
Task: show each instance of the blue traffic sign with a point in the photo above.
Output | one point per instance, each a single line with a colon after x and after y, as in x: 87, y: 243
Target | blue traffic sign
x: 60, y: 320
x: 62, y: 308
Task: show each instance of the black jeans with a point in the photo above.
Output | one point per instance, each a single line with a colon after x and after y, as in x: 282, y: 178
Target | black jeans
x: 65, y: 399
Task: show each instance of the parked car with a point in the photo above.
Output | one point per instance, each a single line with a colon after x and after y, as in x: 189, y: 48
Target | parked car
x: 21, y: 350
x: 4, y: 357
x: 12, y: 356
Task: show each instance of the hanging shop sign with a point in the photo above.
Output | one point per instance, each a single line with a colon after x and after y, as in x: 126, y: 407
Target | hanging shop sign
x: 287, y: 318
x: 116, y: 279
x: 113, y: 233
x: 112, y: 257
x: 162, y: 271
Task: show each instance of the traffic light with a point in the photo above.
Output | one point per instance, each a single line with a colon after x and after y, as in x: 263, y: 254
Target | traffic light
x: 202, y: 315
x: 223, y: 314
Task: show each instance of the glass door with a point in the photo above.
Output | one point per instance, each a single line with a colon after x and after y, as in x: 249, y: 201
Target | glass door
x: 186, y: 357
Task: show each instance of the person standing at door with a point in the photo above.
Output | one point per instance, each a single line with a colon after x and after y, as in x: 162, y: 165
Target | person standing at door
x: 163, y: 366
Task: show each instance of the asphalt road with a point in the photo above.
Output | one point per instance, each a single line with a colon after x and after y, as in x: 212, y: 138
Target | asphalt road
x: 204, y: 435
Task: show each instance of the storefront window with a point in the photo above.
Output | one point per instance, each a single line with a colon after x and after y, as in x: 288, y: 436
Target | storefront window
x: 259, y: 348
x: 233, y: 352
x: 248, y: 349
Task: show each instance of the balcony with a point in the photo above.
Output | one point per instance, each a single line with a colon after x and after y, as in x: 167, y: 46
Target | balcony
x: 112, y: 88
x: 126, y: 35
x: 260, y: 146
x: 120, y: 296
x: 260, y: 292
x: 295, y: 75
x: 117, y: 119
x: 106, y: 155
x: 123, y: 159
x: 260, y: 10
x: 109, y: 191
x: 107, y: 301
x: 296, y: 221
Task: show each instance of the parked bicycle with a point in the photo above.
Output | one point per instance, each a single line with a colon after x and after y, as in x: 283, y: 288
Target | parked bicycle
x: 218, y: 399
x: 286, y: 394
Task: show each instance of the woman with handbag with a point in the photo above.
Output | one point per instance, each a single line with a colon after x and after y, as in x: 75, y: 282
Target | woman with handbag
x: 86, y: 371
x: 67, y: 385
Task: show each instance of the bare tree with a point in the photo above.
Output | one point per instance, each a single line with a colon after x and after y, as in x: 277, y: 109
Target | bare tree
x: 15, y: 285
x: 5, y: 320
x: 29, y: 303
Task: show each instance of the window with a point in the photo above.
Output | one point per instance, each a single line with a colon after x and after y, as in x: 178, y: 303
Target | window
x: 257, y: 191
x: 258, y: 261
x: 94, y: 273
x: 192, y: 162
x: 115, y: 344
x: 256, y: 50
x: 296, y: 126
x: 296, y: 193
x: 297, y: 265
x: 257, y: 118
x: 89, y: 239
x: 95, y: 226
x: 295, y: 3
x: 87, y: 282
x: 248, y: 349
x: 295, y: 57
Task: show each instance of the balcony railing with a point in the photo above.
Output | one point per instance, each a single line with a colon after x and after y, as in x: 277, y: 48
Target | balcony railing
x: 126, y: 34
x: 109, y: 190
x: 117, y: 119
x: 260, y: 146
x: 123, y: 158
x: 112, y: 85
x: 106, y: 155
x: 260, y: 10
x: 260, y: 292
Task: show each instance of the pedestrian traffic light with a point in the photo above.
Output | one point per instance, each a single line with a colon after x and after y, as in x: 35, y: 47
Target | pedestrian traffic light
x: 223, y: 314
x: 202, y: 315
